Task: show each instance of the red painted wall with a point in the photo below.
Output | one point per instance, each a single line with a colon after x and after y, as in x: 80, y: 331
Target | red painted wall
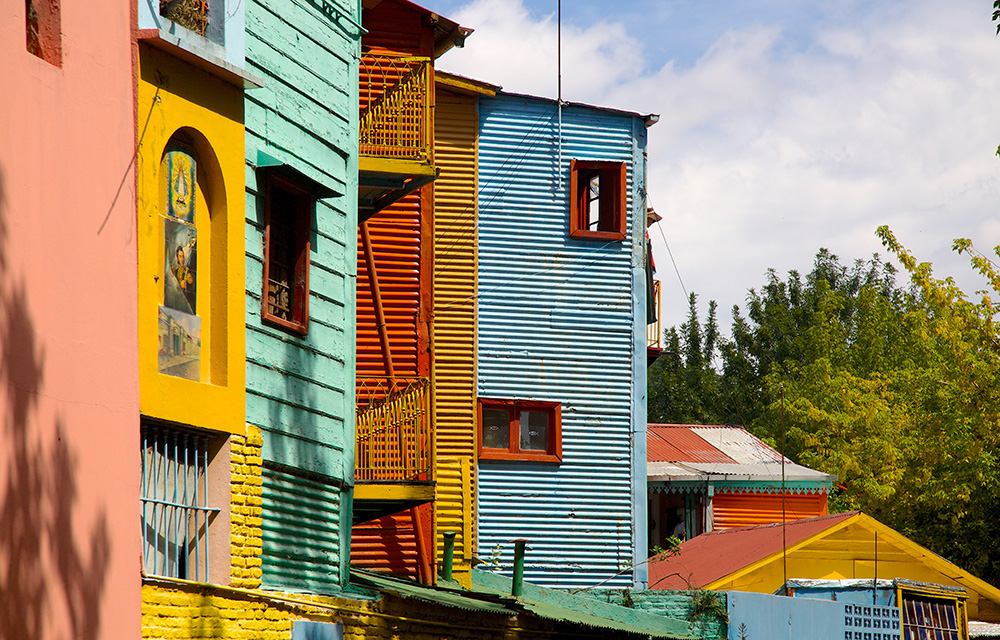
x: 69, y: 401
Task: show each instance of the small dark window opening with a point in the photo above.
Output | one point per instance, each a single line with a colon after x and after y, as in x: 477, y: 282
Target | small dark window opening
x: 43, y: 30
x: 285, y: 299
x: 597, y: 200
x: 190, y: 14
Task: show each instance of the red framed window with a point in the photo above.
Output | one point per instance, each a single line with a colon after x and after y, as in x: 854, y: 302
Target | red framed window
x: 520, y: 430
x: 285, y: 299
x: 597, y: 200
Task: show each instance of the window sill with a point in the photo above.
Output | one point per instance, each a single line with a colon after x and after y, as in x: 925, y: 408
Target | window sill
x: 597, y: 235
x: 486, y: 454
x: 189, y: 49
x: 295, y: 328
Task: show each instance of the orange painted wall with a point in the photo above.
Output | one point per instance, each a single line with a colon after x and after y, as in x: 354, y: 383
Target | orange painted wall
x: 731, y: 510
x: 69, y: 397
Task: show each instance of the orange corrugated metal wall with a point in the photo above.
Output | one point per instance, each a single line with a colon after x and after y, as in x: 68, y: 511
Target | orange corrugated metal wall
x: 732, y: 510
x: 386, y: 544
x: 455, y: 135
x: 393, y: 27
x: 389, y: 544
x: 395, y: 238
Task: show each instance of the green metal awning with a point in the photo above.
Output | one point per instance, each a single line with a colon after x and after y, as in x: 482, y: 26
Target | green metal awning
x: 268, y: 163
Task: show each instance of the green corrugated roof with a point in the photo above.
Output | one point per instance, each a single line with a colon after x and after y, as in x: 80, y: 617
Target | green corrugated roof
x: 561, y: 606
x: 435, y: 595
x: 491, y: 593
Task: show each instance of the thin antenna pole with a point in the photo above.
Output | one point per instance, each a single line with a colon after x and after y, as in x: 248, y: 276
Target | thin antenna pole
x: 784, y: 546
x: 875, y: 577
x: 559, y: 83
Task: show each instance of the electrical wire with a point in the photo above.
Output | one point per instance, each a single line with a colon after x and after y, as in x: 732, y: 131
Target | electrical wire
x: 669, y: 252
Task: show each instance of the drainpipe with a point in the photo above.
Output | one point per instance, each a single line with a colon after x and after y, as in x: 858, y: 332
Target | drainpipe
x: 449, y: 554
x: 383, y: 331
x: 518, y: 584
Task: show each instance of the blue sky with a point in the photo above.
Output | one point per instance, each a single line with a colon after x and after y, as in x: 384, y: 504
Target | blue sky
x: 785, y: 126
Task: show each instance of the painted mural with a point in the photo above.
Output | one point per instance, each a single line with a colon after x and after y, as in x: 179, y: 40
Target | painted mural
x: 180, y: 266
x: 180, y: 167
x: 180, y: 344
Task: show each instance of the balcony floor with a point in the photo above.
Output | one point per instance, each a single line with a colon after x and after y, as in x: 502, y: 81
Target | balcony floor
x: 376, y: 498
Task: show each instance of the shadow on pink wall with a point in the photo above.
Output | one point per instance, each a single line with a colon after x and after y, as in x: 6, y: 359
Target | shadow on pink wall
x: 46, y: 574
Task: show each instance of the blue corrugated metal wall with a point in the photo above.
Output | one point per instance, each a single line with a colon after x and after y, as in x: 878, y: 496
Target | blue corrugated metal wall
x: 556, y: 323
x: 300, y: 389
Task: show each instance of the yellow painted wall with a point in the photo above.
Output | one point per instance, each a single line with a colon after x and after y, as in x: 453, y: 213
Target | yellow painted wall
x: 455, y: 287
x: 174, y: 96
x: 849, y: 552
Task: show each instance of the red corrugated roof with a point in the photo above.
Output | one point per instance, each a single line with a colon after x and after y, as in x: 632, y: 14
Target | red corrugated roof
x: 710, y: 556
x: 678, y: 443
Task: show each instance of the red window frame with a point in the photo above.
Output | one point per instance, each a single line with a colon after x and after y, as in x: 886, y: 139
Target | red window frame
x: 289, y: 227
x: 553, y: 453
x: 612, y: 207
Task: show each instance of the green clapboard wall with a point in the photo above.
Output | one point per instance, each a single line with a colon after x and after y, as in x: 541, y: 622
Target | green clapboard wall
x: 300, y: 388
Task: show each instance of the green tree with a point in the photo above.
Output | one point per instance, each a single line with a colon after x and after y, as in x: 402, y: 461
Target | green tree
x: 893, y: 389
x: 794, y: 321
x: 684, y: 384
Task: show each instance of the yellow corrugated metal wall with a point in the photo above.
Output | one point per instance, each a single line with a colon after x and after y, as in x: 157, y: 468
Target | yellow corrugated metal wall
x: 732, y: 510
x: 455, y: 147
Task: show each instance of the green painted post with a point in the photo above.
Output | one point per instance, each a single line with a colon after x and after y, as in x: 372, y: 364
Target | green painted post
x: 449, y: 554
x: 518, y: 584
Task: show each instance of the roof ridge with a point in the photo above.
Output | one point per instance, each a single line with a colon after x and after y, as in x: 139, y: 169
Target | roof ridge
x: 829, y: 516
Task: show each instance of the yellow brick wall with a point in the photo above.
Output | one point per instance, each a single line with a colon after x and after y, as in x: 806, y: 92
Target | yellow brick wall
x: 245, y: 509
x: 174, y: 610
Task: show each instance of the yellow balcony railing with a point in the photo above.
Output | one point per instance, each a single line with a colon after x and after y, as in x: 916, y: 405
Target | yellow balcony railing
x: 654, y: 336
x: 394, y: 437
x: 395, y: 107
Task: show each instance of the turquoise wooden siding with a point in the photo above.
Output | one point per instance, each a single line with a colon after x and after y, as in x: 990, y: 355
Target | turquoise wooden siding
x: 300, y: 389
x: 558, y: 322
x: 301, y: 534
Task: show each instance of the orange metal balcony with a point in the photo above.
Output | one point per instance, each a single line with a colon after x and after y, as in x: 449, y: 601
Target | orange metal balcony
x: 394, y: 441
x: 396, y: 129
x: 395, y: 107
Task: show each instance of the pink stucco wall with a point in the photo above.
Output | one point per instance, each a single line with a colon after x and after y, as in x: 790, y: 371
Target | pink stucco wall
x: 69, y: 398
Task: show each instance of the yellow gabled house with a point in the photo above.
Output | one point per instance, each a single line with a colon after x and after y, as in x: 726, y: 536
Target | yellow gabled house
x: 839, y: 546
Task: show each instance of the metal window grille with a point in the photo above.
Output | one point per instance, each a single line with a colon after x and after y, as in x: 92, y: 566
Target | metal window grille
x: 175, y: 511
x: 934, y: 618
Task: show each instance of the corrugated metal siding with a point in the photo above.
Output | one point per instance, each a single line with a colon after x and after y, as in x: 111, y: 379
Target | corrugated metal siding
x: 454, y: 327
x: 732, y: 510
x: 396, y: 28
x: 301, y: 530
x: 300, y: 389
x: 453, y: 503
x: 681, y: 444
x: 395, y: 237
x: 387, y: 544
x: 556, y: 323
x: 737, y: 443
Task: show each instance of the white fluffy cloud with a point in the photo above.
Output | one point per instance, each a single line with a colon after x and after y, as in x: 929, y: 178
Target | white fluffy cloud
x: 766, y: 151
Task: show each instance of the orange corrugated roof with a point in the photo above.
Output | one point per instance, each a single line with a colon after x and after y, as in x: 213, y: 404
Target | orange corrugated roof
x: 711, y: 556
x: 679, y: 443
